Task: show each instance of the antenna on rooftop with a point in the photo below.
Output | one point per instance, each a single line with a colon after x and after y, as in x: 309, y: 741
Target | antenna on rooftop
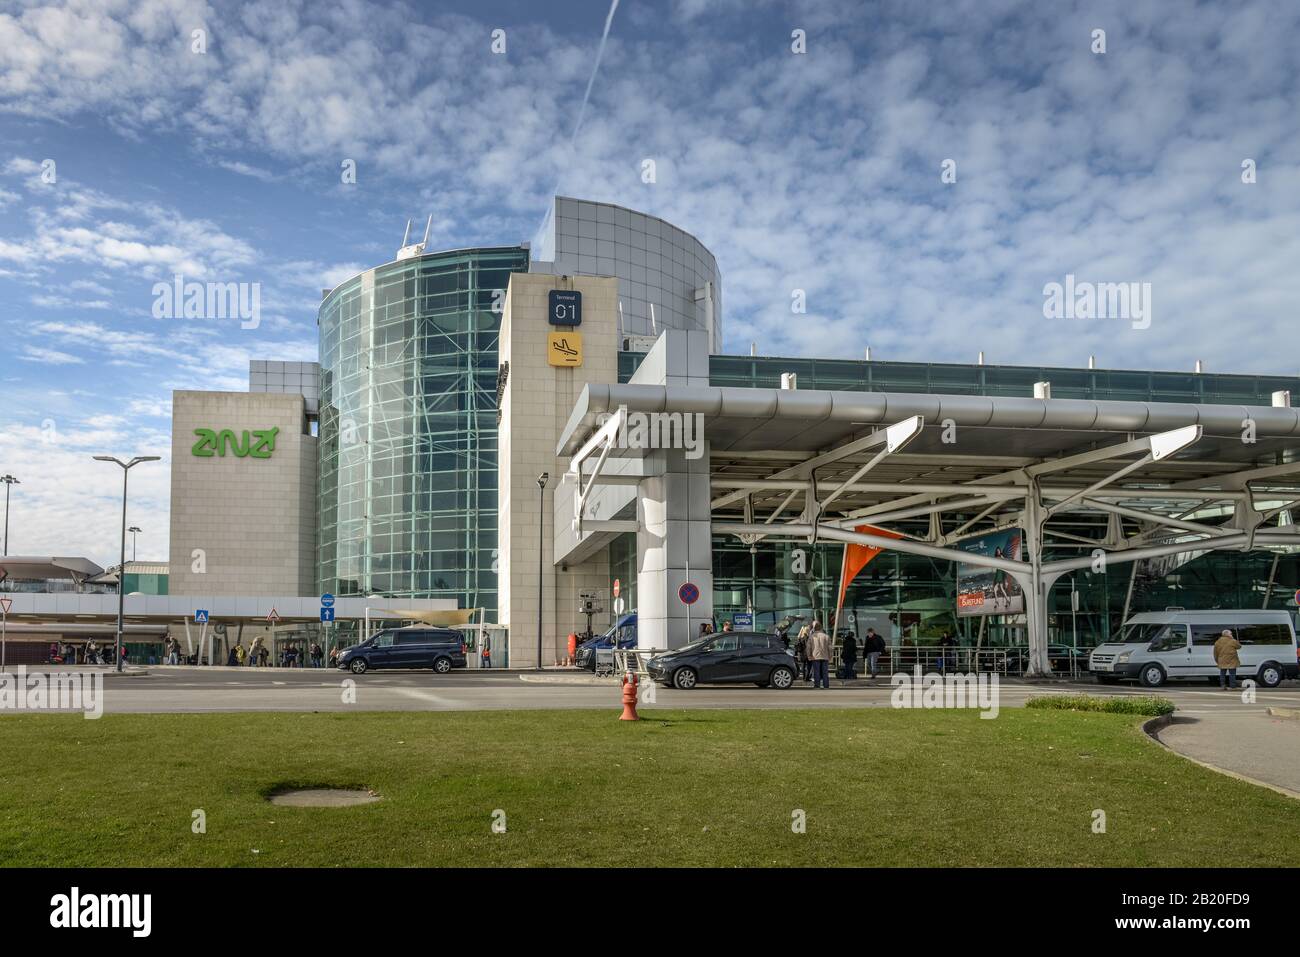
x: 410, y: 250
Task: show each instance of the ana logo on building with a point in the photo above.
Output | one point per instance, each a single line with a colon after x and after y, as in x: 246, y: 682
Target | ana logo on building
x: 212, y: 442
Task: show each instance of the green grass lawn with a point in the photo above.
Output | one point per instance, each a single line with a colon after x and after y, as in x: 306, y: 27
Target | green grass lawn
x: 879, y: 787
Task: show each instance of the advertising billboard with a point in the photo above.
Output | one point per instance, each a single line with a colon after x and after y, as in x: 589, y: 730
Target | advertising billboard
x: 990, y: 591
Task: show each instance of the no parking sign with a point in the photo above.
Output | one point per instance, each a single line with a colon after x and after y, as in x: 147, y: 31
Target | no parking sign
x: 689, y: 593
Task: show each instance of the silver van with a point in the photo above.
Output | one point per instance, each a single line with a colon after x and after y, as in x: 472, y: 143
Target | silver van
x: 1158, y: 646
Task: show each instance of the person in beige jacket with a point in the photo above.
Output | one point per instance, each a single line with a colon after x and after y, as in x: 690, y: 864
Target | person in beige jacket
x: 819, y: 656
x: 1225, y: 656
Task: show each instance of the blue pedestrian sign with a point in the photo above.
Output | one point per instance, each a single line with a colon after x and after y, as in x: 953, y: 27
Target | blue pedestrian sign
x: 200, y: 616
x: 327, y: 614
x: 327, y: 600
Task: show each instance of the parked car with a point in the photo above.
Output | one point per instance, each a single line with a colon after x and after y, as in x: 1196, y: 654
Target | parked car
x: 1155, y: 647
x: 728, y: 657
x: 622, y: 634
x: 438, y: 648
x: 1060, y: 656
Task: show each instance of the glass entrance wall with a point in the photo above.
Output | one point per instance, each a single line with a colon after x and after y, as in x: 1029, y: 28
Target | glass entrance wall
x: 916, y: 596
x: 408, y: 427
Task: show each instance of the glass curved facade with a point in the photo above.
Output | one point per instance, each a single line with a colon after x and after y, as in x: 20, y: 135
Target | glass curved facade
x: 408, y: 427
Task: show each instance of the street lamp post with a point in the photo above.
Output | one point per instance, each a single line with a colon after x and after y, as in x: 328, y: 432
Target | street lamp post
x: 133, y: 529
x: 541, y: 561
x: 121, y: 568
x: 8, y: 480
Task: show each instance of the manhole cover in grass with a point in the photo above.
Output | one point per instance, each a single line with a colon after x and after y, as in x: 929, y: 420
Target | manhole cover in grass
x: 323, y: 797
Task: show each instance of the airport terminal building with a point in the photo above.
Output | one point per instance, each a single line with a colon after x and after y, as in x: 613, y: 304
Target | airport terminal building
x: 1010, y: 505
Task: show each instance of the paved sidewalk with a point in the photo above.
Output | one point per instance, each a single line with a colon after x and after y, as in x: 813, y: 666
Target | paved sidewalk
x: 1254, y: 745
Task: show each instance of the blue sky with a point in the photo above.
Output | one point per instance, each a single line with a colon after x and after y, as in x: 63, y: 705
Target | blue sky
x: 817, y: 172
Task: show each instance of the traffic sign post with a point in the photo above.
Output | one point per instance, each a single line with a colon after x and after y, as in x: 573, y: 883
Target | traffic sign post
x: 272, y: 618
x: 5, y: 605
x: 201, y: 617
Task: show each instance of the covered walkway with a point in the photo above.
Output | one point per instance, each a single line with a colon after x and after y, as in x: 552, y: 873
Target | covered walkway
x: 1147, y: 479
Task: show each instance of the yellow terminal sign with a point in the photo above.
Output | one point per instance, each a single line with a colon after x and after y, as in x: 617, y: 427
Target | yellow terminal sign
x: 564, y: 348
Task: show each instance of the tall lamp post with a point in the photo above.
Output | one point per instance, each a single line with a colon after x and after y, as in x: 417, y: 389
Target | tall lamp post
x: 541, y: 561
x: 8, y: 480
x: 133, y: 529
x: 121, y: 568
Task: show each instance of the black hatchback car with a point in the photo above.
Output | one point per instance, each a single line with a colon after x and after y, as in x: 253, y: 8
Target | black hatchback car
x: 438, y: 648
x: 728, y: 657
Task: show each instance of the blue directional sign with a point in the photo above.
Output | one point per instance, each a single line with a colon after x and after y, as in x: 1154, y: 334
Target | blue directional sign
x: 327, y: 600
x: 200, y: 616
x: 327, y: 614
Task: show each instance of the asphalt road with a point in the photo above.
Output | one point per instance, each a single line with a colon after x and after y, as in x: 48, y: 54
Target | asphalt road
x: 181, y: 689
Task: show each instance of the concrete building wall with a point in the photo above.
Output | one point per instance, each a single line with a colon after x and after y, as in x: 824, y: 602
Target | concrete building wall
x: 675, y: 541
x: 253, y: 519
x: 535, y: 407
x: 655, y: 262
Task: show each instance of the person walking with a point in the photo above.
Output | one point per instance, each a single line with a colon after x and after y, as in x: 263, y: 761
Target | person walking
x: 317, y: 655
x: 801, y: 654
x: 1225, y: 656
x: 819, y: 655
x: 946, y: 643
x: 485, y: 656
x: 849, y: 653
x: 239, y: 651
x: 874, y: 646
x: 255, y: 652
x: 334, y: 656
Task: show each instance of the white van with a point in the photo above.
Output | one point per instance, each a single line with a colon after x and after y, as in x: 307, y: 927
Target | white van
x: 1158, y: 646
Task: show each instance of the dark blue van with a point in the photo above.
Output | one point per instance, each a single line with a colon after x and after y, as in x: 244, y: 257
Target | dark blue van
x: 438, y: 648
x: 623, y: 634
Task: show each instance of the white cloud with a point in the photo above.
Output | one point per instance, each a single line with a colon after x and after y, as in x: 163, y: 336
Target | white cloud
x: 49, y: 356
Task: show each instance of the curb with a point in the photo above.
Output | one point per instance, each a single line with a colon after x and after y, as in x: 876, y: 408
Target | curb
x: 1292, y: 713
x: 584, y: 681
x: 1153, y: 728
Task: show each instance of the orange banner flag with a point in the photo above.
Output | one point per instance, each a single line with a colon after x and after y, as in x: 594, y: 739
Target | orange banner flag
x: 856, y: 558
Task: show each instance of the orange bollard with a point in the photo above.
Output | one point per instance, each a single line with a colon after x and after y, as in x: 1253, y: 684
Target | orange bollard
x: 629, y: 699
x: 573, y: 648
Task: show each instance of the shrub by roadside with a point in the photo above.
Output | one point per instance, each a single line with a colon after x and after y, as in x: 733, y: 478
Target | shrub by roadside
x: 1151, y: 707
